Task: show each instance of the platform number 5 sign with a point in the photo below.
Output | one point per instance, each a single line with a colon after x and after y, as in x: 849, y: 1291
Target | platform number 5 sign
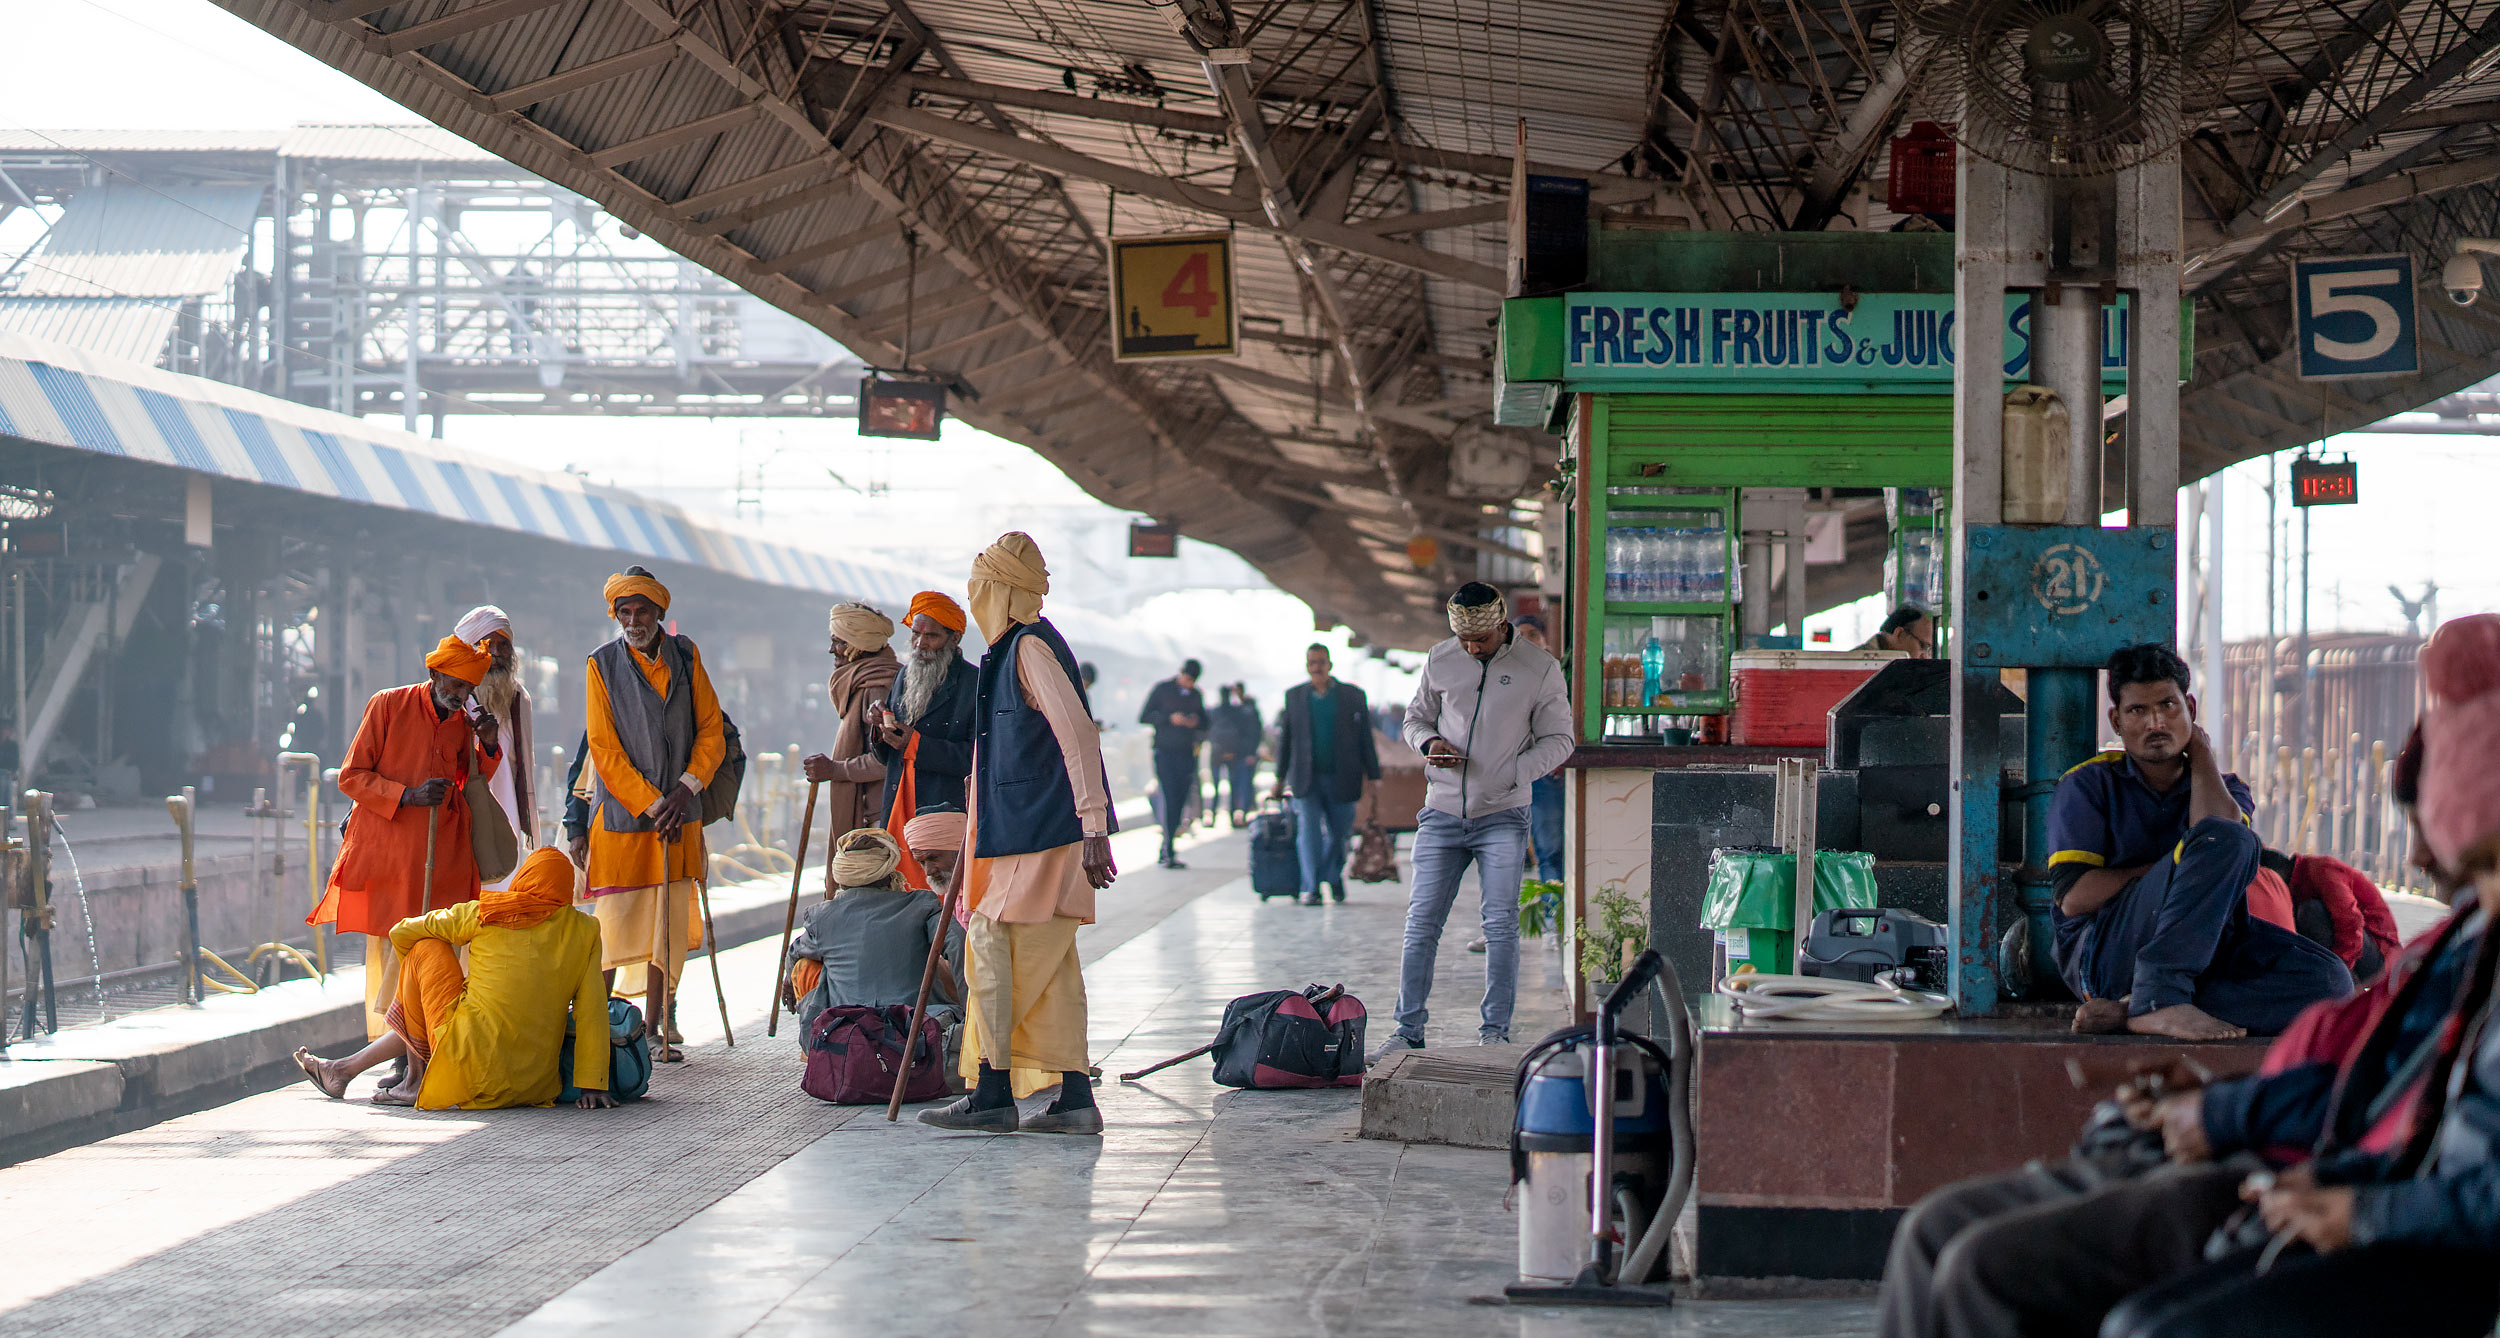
x: 1172, y: 297
x: 2355, y: 317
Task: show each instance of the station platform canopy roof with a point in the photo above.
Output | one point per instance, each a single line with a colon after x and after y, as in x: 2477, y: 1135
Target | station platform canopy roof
x: 947, y: 173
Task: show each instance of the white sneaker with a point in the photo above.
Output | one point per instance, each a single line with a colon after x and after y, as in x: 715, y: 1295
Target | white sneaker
x: 1395, y: 1044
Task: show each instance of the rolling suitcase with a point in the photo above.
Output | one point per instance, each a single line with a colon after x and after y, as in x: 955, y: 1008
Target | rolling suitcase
x: 1275, y: 868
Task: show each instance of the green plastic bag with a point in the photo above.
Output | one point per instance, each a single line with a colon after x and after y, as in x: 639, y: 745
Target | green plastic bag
x: 1750, y: 900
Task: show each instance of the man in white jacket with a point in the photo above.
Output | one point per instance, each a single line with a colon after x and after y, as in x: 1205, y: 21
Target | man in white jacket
x: 1490, y: 716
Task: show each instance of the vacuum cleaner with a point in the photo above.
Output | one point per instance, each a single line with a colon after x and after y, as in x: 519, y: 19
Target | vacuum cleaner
x: 1601, y: 1152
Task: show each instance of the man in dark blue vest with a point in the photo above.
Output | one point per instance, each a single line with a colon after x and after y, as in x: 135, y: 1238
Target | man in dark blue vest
x: 1040, y: 849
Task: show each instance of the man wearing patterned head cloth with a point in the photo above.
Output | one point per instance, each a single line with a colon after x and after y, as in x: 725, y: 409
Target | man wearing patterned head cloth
x: 2374, y: 1116
x: 487, y: 1033
x: 866, y: 943
x: 411, y: 754
x: 654, y: 736
x: 1490, y: 715
x: 923, y: 728
x: 502, y: 702
x: 860, y: 641
x: 1040, y: 847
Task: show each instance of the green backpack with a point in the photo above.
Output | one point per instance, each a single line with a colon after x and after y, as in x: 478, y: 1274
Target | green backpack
x: 629, y: 1062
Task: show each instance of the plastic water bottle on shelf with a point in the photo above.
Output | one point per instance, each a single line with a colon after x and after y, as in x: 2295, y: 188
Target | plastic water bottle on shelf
x: 1614, y: 565
x: 1653, y: 669
x: 1710, y: 567
x: 1646, y: 588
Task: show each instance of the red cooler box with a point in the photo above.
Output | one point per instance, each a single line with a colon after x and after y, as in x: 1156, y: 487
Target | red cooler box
x: 1784, y: 697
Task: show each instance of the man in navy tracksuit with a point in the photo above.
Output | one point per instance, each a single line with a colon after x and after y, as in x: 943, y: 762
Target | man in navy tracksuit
x: 2152, y: 857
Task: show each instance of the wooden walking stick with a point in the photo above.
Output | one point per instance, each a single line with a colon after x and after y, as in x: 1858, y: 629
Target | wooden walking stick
x: 790, y: 922
x: 920, y: 1006
x: 433, y: 816
x: 711, y: 950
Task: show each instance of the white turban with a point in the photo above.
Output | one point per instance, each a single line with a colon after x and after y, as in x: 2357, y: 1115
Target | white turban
x: 480, y: 623
x: 1009, y: 579
x: 860, y: 627
x: 866, y: 857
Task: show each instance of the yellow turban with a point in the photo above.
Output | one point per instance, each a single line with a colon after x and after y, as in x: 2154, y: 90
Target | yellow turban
x: 860, y: 627
x: 460, y: 660
x: 937, y: 829
x: 542, y: 887
x: 634, y: 583
x: 944, y: 611
x: 866, y: 857
x: 1008, y: 582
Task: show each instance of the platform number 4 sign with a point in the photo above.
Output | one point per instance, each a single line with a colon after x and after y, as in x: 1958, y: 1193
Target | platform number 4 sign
x: 2355, y: 316
x: 1172, y: 297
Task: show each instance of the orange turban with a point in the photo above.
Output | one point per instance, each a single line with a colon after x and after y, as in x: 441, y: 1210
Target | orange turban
x: 946, y: 612
x: 542, y: 887
x: 635, y: 582
x: 460, y: 660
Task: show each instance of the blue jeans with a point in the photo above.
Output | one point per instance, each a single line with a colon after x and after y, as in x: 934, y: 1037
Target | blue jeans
x: 1235, y: 777
x: 2182, y: 934
x: 1320, y: 828
x: 1545, y: 826
x: 1497, y: 844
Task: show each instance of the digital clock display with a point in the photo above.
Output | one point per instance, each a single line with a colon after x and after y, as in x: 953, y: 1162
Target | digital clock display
x: 2319, y: 483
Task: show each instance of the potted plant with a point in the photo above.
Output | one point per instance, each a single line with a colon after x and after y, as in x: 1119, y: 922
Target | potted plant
x: 1615, y: 931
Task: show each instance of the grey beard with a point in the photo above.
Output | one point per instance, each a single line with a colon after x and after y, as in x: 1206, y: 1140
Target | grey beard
x: 923, y: 674
x: 497, y: 692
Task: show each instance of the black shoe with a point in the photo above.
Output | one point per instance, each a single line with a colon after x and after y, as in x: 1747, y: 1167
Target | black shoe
x: 1310, y: 898
x: 1336, y: 892
x: 1082, y: 1120
x: 962, y: 1115
x: 1174, y: 863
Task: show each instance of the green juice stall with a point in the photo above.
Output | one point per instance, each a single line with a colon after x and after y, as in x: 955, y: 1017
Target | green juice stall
x: 1713, y: 393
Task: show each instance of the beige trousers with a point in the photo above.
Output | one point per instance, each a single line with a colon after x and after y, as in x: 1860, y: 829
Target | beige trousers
x: 633, y: 933
x: 1027, y: 986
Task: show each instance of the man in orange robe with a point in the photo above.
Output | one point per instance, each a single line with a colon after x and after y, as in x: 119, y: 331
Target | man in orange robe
x: 654, y: 735
x: 412, y: 752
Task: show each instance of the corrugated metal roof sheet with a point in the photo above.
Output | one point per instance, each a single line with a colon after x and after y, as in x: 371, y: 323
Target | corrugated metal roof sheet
x: 125, y: 240
x: 132, y: 329
x: 17, y: 140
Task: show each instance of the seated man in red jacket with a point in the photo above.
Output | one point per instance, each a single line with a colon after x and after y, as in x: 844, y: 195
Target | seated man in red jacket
x: 2052, y: 1248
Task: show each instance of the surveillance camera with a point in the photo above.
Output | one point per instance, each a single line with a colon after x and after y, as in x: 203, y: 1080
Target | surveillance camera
x: 2462, y: 276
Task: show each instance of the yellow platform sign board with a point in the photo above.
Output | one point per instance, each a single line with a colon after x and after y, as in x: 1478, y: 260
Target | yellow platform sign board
x: 1172, y: 296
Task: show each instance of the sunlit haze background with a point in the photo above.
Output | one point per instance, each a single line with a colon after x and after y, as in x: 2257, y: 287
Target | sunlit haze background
x: 2425, y: 509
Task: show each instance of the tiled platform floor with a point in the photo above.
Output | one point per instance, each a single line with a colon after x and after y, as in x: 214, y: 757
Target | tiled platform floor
x: 732, y: 1204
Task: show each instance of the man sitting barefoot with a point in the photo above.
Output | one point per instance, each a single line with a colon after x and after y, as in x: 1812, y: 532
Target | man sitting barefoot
x: 490, y: 1039
x: 2153, y: 860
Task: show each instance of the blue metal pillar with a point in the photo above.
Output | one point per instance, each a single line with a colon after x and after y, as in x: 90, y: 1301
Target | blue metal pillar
x: 2060, y: 731
x: 2000, y: 218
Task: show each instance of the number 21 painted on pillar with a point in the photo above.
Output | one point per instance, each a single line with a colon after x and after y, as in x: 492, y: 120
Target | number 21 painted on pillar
x: 2355, y: 316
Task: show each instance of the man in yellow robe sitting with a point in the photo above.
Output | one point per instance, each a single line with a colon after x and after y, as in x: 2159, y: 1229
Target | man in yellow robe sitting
x: 490, y: 1038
